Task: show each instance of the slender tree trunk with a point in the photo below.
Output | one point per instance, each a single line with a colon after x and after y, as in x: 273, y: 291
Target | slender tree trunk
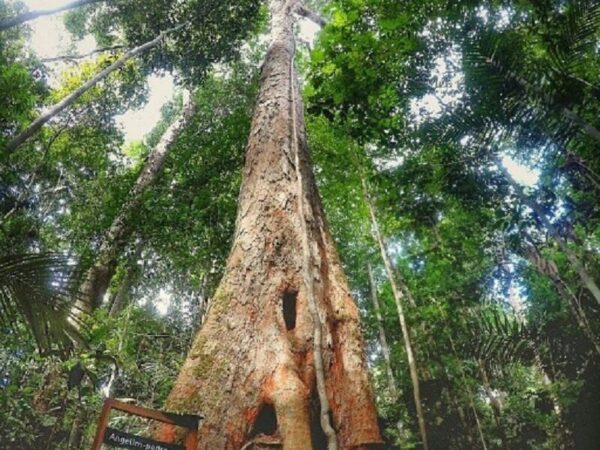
x: 98, y: 277
x: 495, y: 404
x: 399, y: 298
x: 403, y: 286
x: 253, y: 370
x: 122, y: 297
x: 587, y: 127
x: 77, y: 427
x: 114, y: 369
x: 200, y: 307
x: 31, y: 15
x: 471, y: 396
x: 452, y: 400
x: 546, y: 268
x: 573, y: 160
x: 385, y: 348
x: 576, y: 263
x: 549, y: 269
x: 38, y: 123
x: 478, y: 423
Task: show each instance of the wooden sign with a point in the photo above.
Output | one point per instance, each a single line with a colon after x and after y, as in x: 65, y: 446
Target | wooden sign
x: 117, y: 438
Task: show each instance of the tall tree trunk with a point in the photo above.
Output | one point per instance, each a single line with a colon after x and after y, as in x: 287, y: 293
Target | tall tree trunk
x: 586, y: 279
x: 253, y: 368
x: 38, y: 123
x: 385, y: 348
x: 399, y: 298
x: 97, y: 278
x: 31, y: 15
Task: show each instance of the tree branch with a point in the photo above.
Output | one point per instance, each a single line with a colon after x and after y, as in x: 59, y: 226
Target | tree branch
x: 311, y: 15
x: 37, y: 124
x: 30, y: 15
x: 82, y: 56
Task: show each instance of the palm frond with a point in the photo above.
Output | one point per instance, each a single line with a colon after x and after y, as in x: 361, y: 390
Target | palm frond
x: 499, y: 338
x: 40, y: 290
x: 575, y: 35
x: 522, y: 110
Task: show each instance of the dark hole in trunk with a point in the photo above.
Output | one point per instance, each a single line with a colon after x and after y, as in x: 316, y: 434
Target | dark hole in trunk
x: 289, y: 301
x: 266, y: 422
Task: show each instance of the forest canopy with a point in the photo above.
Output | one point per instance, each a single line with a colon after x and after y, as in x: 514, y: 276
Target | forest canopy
x: 335, y: 224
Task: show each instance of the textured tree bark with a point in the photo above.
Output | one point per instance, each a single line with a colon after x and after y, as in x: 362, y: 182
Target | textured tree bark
x: 99, y: 275
x: 252, y: 370
x: 399, y: 298
x: 38, y: 123
x: 31, y: 15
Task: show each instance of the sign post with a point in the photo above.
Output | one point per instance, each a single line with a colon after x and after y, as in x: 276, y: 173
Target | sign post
x: 117, y: 438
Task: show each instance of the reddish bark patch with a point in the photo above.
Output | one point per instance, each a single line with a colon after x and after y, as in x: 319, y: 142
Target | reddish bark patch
x: 167, y: 433
x: 251, y: 415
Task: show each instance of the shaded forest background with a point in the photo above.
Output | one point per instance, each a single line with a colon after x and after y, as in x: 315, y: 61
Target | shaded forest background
x: 456, y: 147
